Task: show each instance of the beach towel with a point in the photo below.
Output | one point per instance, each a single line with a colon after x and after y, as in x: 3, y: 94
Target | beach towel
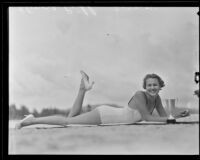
x: 193, y: 119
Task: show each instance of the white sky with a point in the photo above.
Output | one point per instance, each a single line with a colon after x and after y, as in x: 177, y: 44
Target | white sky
x: 116, y: 46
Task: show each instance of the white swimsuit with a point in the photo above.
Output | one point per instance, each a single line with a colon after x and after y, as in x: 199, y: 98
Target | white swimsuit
x: 112, y: 115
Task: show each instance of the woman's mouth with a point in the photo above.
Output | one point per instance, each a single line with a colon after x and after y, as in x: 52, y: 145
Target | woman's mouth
x: 153, y: 92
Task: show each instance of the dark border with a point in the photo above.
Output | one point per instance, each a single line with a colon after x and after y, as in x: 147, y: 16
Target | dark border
x: 5, y: 61
x: 122, y: 3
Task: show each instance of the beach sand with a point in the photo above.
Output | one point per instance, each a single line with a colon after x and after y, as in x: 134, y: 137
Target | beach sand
x: 143, y: 139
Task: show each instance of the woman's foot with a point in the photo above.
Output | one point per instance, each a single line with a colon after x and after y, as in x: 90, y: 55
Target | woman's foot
x: 27, y: 120
x: 85, y: 84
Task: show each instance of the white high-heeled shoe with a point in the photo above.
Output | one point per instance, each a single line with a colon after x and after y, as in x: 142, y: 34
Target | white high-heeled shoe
x: 19, y: 124
x: 87, y: 84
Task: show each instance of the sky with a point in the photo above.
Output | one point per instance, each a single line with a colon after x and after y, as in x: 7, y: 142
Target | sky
x: 115, y: 46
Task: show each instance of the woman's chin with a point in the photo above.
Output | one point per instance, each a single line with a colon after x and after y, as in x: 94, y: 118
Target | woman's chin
x: 153, y: 94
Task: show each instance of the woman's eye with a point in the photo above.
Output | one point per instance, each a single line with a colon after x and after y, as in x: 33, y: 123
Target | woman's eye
x: 149, y: 85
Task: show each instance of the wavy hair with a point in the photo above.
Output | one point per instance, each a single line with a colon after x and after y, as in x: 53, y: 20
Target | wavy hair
x: 160, y: 81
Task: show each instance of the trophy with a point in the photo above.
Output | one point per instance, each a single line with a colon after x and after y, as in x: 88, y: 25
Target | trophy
x: 171, y: 106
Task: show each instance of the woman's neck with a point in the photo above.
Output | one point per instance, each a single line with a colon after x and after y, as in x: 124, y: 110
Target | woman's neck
x: 150, y: 97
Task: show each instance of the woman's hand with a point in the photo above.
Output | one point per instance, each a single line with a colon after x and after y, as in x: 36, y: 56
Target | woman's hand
x: 182, y: 114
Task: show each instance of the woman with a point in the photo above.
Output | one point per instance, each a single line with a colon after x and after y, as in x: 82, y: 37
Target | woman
x: 139, y: 108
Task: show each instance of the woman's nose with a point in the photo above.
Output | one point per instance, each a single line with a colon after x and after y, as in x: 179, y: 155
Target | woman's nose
x: 152, y: 87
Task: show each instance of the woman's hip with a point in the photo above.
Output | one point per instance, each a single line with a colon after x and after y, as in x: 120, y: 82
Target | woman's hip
x: 111, y: 115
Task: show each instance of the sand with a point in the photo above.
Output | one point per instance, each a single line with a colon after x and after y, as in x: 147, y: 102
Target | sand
x: 158, y: 139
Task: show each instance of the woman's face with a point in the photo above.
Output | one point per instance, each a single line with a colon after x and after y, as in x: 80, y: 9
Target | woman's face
x: 152, y: 86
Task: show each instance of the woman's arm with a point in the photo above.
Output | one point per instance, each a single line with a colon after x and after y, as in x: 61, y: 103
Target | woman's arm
x: 162, y: 112
x: 139, y: 102
x: 160, y: 109
x: 181, y: 114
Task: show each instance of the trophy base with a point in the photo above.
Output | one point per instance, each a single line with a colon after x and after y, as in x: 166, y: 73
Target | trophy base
x: 171, y: 121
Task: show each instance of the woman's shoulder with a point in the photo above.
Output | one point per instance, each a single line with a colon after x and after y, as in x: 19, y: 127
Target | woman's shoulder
x: 158, y: 98
x: 139, y: 93
x: 139, y: 97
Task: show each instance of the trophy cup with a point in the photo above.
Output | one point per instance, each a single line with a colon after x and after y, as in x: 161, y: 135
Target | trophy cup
x: 171, y: 106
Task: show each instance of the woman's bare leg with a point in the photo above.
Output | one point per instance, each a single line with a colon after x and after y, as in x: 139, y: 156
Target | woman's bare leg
x: 107, y: 104
x: 92, y: 117
x: 84, y: 86
x: 77, y: 106
x: 51, y: 120
x: 76, y: 109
